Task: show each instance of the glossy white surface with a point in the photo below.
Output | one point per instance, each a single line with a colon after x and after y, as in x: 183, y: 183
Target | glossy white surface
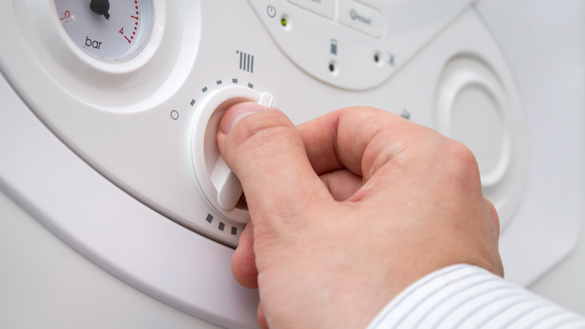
x: 360, y: 17
x: 117, y: 211
x: 344, y: 56
x: 564, y: 283
x: 324, y: 8
x: 475, y: 106
x: 46, y: 284
x: 549, y: 72
x: 114, y: 230
x: 545, y: 45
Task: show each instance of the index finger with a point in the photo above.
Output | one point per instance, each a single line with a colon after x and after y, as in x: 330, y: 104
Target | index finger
x: 361, y: 139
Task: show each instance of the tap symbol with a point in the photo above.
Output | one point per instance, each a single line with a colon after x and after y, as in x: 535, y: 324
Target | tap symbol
x: 333, y: 47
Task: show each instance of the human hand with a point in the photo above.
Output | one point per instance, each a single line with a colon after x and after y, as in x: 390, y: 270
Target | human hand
x: 349, y: 209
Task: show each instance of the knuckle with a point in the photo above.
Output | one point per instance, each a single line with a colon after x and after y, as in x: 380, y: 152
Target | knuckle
x: 461, y: 156
x: 493, y: 215
x: 460, y: 166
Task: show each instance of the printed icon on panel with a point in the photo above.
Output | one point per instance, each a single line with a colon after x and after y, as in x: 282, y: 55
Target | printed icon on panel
x: 333, y: 47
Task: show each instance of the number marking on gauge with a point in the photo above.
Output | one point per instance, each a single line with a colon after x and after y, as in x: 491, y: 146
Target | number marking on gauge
x: 120, y: 28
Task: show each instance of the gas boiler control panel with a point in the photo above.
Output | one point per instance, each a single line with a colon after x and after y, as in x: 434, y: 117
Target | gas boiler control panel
x: 136, y: 87
x: 353, y: 44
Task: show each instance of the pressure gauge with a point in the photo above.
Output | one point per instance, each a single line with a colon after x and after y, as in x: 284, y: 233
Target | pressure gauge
x: 110, y: 31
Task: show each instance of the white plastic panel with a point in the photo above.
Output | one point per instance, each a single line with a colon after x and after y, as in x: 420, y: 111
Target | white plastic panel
x: 47, y: 284
x: 364, y: 44
x: 361, y: 18
x: 133, y: 123
x: 325, y: 8
x: 543, y: 43
x: 114, y: 230
x: 144, y: 104
x: 478, y: 107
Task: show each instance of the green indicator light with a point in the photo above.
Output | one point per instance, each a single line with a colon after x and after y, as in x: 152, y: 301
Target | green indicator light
x: 283, y: 22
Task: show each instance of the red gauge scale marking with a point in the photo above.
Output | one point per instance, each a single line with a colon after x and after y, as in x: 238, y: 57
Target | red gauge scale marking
x: 130, y: 38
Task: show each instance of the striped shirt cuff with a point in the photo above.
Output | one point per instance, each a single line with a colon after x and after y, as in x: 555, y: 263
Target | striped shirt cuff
x: 466, y: 296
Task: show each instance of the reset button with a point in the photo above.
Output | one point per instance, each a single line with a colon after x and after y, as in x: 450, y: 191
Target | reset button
x: 360, y: 17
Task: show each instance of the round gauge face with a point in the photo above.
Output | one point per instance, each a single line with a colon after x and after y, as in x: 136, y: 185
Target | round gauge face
x: 108, y: 30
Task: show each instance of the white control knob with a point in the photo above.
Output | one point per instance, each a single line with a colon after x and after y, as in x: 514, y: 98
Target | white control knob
x: 216, y: 182
x: 227, y: 185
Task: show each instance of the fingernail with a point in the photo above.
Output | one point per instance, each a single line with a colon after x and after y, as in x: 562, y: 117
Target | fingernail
x: 237, y: 112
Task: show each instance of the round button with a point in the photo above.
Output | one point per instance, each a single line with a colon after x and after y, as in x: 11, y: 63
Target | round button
x: 477, y: 120
x: 477, y: 108
x: 216, y: 182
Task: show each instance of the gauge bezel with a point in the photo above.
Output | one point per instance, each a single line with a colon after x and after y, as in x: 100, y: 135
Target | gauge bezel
x: 147, y: 80
x: 155, y: 22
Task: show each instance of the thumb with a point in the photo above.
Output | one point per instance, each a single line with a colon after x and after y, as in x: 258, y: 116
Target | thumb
x: 265, y: 151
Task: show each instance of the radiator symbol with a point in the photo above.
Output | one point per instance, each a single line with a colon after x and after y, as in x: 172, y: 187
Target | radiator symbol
x: 246, y: 61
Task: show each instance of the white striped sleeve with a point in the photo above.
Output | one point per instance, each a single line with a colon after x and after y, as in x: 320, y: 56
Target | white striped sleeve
x: 466, y: 296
